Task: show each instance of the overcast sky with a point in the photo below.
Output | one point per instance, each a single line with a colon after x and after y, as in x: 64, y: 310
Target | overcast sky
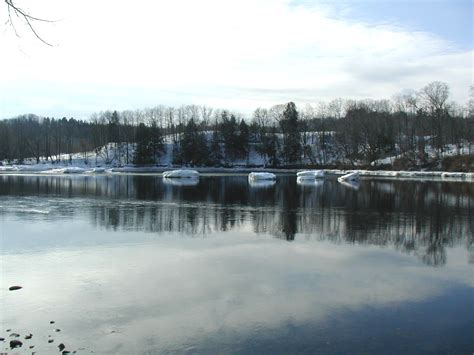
x: 236, y: 54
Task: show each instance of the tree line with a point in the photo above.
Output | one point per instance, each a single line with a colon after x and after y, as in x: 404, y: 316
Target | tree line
x: 340, y: 132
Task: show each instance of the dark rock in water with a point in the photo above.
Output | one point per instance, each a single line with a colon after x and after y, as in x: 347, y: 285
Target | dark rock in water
x: 61, y: 347
x: 66, y: 352
x: 15, y: 344
x: 51, y: 322
x: 29, y: 336
x: 8, y: 330
x: 13, y: 288
x: 2, y: 339
x: 50, y: 340
x: 57, y: 330
x: 16, y: 335
x: 32, y: 346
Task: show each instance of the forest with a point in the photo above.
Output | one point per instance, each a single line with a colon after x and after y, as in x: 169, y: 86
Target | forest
x: 338, y: 133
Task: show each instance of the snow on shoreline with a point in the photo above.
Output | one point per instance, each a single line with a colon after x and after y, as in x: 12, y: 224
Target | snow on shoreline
x: 49, y: 169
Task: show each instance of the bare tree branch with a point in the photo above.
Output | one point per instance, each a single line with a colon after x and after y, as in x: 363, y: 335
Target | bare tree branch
x: 21, y: 14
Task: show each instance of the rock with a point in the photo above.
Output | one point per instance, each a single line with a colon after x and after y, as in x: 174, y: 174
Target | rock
x: 32, y: 346
x: 29, y: 336
x: 61, y: 347
x: 2, y: 339
x: 8, y: 330
x: 66, y: 352
x: 13, y: 288
x: 51, y: 322
x: 50, y: 340
x: 16, y: 335
x: 57, y: 330
x: 15, y: 344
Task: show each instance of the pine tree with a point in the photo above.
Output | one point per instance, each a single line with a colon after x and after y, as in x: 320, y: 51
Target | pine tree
x: 215, y: 154
x: 291, y: 134
x: 194, y: 149
x: 144, y: 147
x: 243, y: 140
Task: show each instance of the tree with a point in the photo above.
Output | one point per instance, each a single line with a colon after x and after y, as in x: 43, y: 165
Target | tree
x: 194, y: 146
x: 144, y: 146
x: 243, y: 140
x: 291, y: 134
x: 434, y: 97
x: 215, y: 154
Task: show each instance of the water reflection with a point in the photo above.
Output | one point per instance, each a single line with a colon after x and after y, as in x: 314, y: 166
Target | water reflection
x: 351, y: 184
x: 262, y: 183
x: 419, y: 218
x: 305, y: 181
x: 191, y: 181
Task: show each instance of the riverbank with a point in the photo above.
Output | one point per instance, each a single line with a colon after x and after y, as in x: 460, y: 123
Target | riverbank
x: 68, y: 170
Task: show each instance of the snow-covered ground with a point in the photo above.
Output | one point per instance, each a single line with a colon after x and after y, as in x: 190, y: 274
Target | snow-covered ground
x: 449, y: 151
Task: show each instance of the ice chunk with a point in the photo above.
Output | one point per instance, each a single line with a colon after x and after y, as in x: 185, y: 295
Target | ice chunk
x: 447, y: 175
x: 182, y: 173
x: 311, y: 174
x: 261, y: 176
x: 97, y: 171
x: 68, y: 170
x: 353, y: 176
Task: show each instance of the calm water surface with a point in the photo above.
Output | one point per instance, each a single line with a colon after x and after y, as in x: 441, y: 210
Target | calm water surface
x: 129, y: 264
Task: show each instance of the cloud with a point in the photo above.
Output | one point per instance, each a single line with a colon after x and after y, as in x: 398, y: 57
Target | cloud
x: 202, y: 51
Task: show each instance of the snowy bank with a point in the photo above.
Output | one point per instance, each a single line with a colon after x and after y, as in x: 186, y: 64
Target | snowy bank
x: 406, y: 174
x: 69, y: 170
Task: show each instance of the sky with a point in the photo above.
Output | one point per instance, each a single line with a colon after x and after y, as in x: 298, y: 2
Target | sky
x: 237, y: 55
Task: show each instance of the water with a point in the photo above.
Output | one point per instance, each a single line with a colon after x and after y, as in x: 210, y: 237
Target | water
x: 131, y: 264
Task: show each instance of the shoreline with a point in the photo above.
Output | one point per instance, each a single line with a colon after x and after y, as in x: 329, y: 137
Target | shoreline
x: 92, y: 171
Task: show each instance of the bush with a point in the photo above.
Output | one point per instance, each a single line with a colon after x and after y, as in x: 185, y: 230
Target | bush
x: 461, y: 163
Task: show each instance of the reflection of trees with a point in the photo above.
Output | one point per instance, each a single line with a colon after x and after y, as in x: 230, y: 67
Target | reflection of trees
x: 417, y: 218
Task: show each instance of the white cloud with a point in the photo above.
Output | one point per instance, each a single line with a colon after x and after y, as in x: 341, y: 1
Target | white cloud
x: 217, y: 53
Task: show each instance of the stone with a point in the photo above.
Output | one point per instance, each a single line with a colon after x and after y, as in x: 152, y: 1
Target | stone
x: 15, y: 344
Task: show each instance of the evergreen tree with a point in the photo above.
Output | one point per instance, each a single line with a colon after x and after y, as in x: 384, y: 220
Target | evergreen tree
x: 194, y: 149
x: 144, y: 146
x: 291, y: 134
x: 230, y: 136
x: 156, y: 142
x: 243, y: 140
x: 215, y: 154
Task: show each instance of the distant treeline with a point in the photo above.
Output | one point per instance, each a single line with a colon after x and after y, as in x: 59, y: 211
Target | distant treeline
x: 341, y: 131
